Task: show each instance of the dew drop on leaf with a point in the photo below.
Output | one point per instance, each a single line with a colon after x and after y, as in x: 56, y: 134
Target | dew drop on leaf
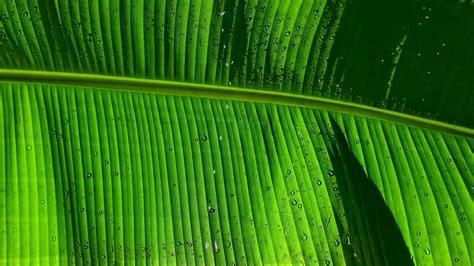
x: 319, y: 182
x: 294, y: 202
x: 304, y: 237
x: 331, y: 172
x: 427, y: 251
x: 210, y: 209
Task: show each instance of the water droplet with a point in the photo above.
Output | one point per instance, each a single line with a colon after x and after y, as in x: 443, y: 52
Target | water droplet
x: 458, y: 233
x: 445, y: 205
x: 144, y: 249
x: 210, y: 209
x: 294, y: 202
x: 116, y: 173
x: 204, y: 138
x: 82, y: 209
x: 118, y: 228
x: 331, y: 172
x: 327, y: 262
x: 418, y: 233
x: 54, y: 238
x: 170, y: 149
x: 42, y: 201
x: 449, y: 160
x: 300, y: 205
x: 427, y: 251
x: 222, y: 13
x: 426, y: 194
x: 292, y: 193
x: 304, y: 237
x: 319, y: 182
x: 456, y: 259
x: 288, y: 33
x: 107, y: 162
x: 28, y: 147
x: 268, y: 188
x: 89, y: 175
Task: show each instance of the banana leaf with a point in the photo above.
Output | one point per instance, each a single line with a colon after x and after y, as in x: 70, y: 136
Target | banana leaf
x: 236, y: 132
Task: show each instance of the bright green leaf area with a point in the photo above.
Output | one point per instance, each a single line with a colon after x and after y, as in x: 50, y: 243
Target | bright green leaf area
x: 236, y: 132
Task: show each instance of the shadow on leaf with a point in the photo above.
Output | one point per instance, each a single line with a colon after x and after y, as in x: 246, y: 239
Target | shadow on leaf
x: 373, y: 236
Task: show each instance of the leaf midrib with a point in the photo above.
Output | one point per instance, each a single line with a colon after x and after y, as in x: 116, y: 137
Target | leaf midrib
x: 227, y: 93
